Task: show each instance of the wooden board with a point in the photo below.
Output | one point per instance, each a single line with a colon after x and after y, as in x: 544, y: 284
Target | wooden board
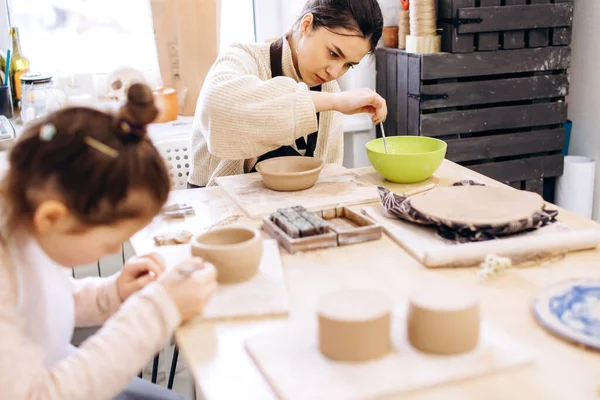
x: 539, y: 37
x: 337, y: 186
x: 522, y: 169
x: 464, y: 43
x: 488, y: 41
x: 496, y: 91
x: 414, y: 86
x: 392, y: 100
x: 262, y: 296
x: 561, y: 36
x: 401, y: 89
x: 477, y: 205
x: 447, y: 123
x: 432, y: 251
x: 516, y: 17
x: 291, y: 362
x: 513, y: 39
x: 438, y: 66
x: 503, y: 145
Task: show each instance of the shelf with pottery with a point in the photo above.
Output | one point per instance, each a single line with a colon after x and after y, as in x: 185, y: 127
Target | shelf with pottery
x: 240, y: 350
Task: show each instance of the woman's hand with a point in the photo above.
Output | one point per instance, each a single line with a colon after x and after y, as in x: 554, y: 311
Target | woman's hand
x: 191, y: 285
x: 137, y: 273
x: 352, y: 102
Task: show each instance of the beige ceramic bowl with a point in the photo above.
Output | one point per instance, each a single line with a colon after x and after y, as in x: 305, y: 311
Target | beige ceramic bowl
x: 235, y: 252
x: 289, y: 174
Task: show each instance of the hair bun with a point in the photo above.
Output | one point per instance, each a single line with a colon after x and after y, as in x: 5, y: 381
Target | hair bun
x: 139, y: 110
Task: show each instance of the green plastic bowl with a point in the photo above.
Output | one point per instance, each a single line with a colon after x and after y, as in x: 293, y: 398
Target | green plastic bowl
x: 410, y: 159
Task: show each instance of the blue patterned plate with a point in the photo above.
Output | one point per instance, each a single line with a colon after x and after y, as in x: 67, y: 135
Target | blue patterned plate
x: 572, y: 310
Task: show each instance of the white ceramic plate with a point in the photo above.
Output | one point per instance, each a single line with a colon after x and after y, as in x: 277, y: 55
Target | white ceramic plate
x: 571, y: 310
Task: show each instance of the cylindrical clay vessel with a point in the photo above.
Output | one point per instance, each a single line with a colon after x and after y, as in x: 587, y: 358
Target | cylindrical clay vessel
x: 236, y: 252
x: 443, y: 320
x: 354, y: 325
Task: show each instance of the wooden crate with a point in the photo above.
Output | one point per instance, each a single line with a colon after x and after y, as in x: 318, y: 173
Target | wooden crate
x: 489, y: 25
x: 501, y: 112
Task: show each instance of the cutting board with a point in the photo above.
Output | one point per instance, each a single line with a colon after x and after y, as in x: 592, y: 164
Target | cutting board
x: 291, y: 362
x: 424, y: 244
x: 264, y: 295
x: 337, y: 186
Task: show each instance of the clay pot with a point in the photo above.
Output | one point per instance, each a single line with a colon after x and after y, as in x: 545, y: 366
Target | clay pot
x: 166, y: 102
x: 354, y: 325
x: 289, y: 174
x: 236, y: 252
x: 390, y: 36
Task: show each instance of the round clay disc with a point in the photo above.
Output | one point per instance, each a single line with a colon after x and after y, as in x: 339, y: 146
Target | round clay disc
x: 477, y: 205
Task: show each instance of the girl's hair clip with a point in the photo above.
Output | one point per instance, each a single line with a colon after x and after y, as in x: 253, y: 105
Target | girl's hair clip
x: 101, y: 147
x: 47, y: 132
x: 130, y: 129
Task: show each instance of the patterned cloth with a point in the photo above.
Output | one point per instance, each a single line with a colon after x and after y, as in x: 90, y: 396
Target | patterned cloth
x: 401, y: 208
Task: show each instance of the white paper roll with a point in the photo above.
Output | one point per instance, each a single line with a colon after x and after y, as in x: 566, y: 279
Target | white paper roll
x: 575, y: 188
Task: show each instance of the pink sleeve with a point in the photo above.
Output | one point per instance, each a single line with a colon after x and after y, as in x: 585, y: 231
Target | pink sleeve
x: 96, y: 299
x: 101, y: 367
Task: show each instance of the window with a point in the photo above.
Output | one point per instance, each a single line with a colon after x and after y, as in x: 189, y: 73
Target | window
x: 85, y: 36
x: 97, y: 36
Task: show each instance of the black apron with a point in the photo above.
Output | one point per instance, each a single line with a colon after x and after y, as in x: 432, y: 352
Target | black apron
x: 276, y: 52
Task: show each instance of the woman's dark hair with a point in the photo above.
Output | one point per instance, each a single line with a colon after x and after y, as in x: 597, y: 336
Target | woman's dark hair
x: 362, y: 16
x: 91, y: 160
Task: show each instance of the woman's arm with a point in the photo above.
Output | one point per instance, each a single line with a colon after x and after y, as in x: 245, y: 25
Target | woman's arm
x: 242, y: 116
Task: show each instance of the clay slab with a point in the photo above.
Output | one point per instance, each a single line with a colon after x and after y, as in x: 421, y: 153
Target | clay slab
x: 291, y: 362
x: 263, y: 295
x: 336, y: 186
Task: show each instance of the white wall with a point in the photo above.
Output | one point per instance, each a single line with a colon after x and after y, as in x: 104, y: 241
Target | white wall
x: 584, y: 98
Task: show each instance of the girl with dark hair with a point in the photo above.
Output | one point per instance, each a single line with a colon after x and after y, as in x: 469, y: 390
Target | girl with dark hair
x: 261, y: 101
x: 79, y: 184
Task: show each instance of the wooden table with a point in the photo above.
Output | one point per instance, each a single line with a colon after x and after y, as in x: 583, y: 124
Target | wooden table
x: 222, y: 368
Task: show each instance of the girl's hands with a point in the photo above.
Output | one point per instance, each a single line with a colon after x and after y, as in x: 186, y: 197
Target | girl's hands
x: 191, y: 285
x: 137, y: 273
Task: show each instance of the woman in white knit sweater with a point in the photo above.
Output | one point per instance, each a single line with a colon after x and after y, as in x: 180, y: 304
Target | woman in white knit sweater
x: 269, y: 100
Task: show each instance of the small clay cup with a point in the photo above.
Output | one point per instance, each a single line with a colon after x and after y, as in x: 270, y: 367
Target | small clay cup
x: 390, y: 36
x: 289, y: 174
x: 235, y: 252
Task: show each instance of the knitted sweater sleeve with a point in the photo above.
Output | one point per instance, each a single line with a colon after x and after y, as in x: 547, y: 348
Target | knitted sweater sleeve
x: 242, y: 116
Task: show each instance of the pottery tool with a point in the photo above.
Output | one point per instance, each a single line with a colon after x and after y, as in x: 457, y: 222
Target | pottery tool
x: 383, y: 136
x: 177, y: 211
